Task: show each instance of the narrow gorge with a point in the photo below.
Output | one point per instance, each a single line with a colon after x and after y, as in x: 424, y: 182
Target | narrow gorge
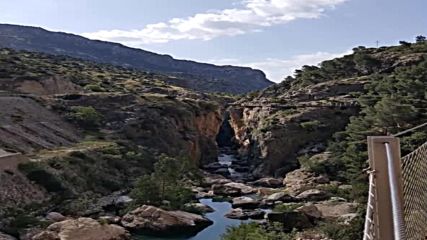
x: 89, y: 150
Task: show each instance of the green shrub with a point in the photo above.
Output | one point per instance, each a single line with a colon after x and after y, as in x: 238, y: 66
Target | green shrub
x: 254, y: 231
x: 94, y: 88
x: 87, y: 117
x: 310, y: 125
x: 351, y: 231
x: 166, y: 184
x: 286, y: 207
x: 37, y: 173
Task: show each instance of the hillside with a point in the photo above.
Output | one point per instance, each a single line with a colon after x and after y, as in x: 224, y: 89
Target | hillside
x: 189, y: 74
x: 315, y: 123
x: 304, y: 111
x: 69, y: 127
x: 76, y: 136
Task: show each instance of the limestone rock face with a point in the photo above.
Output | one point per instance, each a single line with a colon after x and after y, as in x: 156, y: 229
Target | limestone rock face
x: 277, y: 125
x: 154, y: 220
x: 82, y: 229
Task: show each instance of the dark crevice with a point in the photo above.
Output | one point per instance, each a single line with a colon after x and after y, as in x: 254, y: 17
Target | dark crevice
x: 226, y: 133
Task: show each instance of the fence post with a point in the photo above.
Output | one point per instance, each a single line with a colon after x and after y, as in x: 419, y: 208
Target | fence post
x: 378, y: 162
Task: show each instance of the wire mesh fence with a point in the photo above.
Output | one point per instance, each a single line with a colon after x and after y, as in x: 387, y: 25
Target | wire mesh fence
x: 414, y: 181
x: 414, y: 173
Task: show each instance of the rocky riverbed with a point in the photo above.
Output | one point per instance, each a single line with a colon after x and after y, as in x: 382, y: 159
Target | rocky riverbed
x: 228, y: 196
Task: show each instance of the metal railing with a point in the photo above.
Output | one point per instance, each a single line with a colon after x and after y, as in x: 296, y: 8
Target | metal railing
x: 397, y: 198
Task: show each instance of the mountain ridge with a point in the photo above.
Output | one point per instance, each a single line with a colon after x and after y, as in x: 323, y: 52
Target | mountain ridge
x: 186, y: 73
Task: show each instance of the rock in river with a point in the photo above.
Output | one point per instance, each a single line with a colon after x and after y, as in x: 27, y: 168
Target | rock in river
x: 241, y: 214
x: 232, y: 189
x: 200, y: 207
x: 153, y: 220
x: 245, y: 202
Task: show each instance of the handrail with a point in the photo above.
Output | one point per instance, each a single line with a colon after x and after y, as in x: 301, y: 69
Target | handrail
x: 398, y: 222
x: 369, y: 221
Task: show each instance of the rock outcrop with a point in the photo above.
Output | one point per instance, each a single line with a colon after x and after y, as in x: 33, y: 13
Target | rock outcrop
x: 82, y: 229
x: 152, y: 220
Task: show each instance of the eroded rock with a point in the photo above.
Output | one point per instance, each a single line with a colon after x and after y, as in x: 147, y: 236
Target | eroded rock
x: 269, y: 182
x: 243, y: 214
x: 55, y: 217
x: 313, y: 195
x: 150, y: 219
x: 82, y: 229
x: 245, y: 203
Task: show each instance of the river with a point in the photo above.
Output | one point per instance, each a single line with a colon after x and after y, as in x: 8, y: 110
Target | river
x: 214, y: 231
x: 221, y: 223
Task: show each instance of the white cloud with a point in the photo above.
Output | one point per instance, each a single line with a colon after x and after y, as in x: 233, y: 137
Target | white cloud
x: 277, y: 69
x: 247, y: 16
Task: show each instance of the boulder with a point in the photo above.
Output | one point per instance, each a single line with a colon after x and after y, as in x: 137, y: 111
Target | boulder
x: 153, y: 220
x: 242, y: 214
x: 82, y: 229
x: 220, y: 189
x: 55, y: 217
x: 209, y: 194
x: 269, y: 182
x: 46, y: 235
x: 232, y: 189
x: 212, y: 179
x: 200, y: 207
x: 6, y: 237
x: 301, y: 180
x: 313, y: 195
x: 110, y: 219
x: 311, y: 211
x: 244, y: 189
x: 334, y: 210
x: 262, y: 191
x: 245, y: 203
x: 279, y: 196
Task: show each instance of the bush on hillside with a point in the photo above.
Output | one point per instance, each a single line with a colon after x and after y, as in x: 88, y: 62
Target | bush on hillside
x: 87, y: 117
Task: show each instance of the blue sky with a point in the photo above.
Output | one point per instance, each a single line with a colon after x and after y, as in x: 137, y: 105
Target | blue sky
x: 276, y: 36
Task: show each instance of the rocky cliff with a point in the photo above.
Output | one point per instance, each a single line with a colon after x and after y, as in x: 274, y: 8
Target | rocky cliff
x: 87, y: 130
x: 194, y: 75
x: 295, y: 119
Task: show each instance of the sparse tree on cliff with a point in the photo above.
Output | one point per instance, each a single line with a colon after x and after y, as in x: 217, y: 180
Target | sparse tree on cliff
x: 420, y: 39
